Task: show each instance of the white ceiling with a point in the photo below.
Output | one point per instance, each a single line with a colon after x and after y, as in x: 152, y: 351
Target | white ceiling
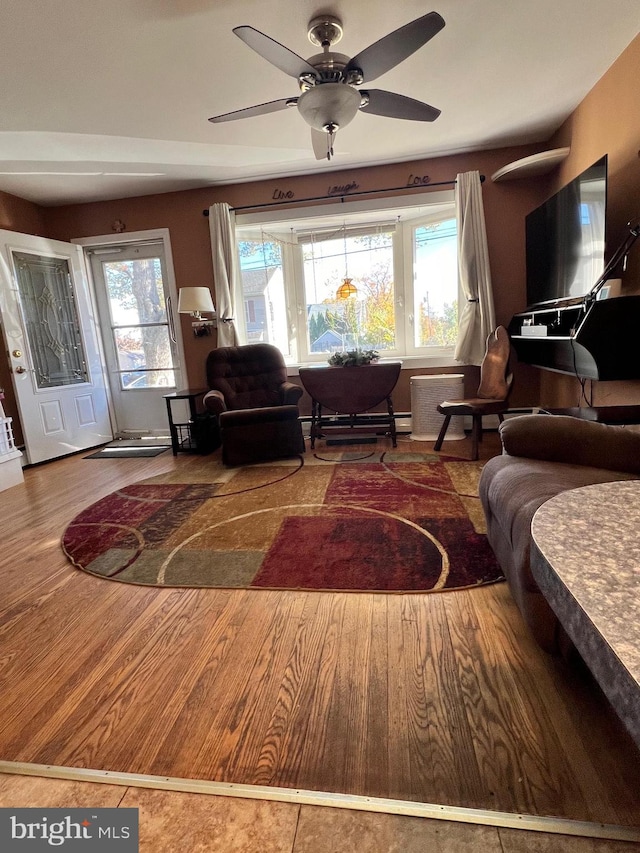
x: 109, y: 99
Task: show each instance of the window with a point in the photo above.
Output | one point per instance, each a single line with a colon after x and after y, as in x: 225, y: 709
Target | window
x: 263, y: 292
x: 384, y: 280
x: 349, y: 291
x: 435, y: 271
x: 139, y: 321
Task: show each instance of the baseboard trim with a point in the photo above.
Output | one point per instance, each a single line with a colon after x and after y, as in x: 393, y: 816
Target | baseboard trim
x: 481, y: 817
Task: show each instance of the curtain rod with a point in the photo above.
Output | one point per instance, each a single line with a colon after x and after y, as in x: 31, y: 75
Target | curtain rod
x: 342, y: 198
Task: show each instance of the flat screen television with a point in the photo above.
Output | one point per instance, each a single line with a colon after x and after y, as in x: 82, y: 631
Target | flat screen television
x: 565, y: 240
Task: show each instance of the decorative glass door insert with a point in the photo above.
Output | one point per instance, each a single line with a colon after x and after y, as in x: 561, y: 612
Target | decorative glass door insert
x: 51, y: 320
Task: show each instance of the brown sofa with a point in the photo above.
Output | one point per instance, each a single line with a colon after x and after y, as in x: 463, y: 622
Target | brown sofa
x: 542, y: 456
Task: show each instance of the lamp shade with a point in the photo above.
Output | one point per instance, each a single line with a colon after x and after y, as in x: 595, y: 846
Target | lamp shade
x: 346, y: 290
x: 329, y: 105
x: 193, y: 300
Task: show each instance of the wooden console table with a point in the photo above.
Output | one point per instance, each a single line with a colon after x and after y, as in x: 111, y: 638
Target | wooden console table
x: 585, y: 558
x: 347, y: 393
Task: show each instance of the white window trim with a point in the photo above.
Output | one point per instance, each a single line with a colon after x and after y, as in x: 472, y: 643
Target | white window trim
x: 407, y: 212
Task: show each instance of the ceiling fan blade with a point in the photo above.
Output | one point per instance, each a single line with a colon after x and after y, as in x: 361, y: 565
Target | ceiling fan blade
x: 274, y: 52
x: 320, y: 144
x: 390, y: 104
x: 258, y: 110
x: 385, y: 54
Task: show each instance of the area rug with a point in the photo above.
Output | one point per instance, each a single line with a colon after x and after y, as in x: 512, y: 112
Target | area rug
x: 341, y: 520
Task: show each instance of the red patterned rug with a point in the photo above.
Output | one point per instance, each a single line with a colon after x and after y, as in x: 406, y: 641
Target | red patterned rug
x: 357, y: 520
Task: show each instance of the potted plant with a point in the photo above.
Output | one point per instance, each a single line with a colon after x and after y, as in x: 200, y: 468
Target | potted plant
x: 353, y: 358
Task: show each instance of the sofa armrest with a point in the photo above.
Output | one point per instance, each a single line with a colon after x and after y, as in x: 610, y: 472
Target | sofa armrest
x: 214, y: 402
x: 561, y: 438
x: 291, y: 393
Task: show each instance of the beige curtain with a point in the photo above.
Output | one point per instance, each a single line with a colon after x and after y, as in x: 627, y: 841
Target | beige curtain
x: 477, y: 318
x: 224, y: 255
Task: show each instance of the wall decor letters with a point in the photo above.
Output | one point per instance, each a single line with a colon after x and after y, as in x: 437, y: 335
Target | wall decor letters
x: 418, y: 180
x: 278, y: 195
x: 343, y: 189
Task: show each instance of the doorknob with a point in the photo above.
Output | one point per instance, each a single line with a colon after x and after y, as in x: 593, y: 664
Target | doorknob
x: 20, y: 369
x: 17, y: 353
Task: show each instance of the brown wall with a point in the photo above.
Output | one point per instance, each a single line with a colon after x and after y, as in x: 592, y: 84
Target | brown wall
x: 606, y: 122
x: 181, y: 213
x: 16, y: 214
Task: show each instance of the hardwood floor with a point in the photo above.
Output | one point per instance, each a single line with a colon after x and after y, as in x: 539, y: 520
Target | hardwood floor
x: 440, y: 698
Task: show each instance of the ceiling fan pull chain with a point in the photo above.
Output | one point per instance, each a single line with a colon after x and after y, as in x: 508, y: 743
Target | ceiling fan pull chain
x: 330, y: 137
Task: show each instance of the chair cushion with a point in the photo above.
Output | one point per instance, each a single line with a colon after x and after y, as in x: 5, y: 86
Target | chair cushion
x: 561, y: 438
x: 259, y: 435
x: 261, y: 415
x: 472, y: 406
x: 247, y: 376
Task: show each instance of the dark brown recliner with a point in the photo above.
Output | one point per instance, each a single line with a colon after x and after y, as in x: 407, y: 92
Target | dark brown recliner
x: 255, y: 405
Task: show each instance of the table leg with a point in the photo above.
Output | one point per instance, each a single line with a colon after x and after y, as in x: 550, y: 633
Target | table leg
x: 314, y: 420
x: 392, y: 422
x: 173, y: 432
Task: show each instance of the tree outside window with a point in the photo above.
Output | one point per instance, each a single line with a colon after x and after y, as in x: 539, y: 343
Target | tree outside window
x: 367, y: 319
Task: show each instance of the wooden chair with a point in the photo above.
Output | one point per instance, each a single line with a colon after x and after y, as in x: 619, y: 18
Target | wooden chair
x: 492, y: 395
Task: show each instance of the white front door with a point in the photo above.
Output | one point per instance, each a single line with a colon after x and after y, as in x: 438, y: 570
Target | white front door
x: 54, y: 354
x: 133, y: 288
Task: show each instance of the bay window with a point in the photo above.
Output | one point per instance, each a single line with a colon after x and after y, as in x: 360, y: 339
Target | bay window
x: 381, y: 279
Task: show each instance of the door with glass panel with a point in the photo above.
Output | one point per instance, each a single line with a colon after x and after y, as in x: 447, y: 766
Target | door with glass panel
x: 54, y: 354
x: 138, y: 333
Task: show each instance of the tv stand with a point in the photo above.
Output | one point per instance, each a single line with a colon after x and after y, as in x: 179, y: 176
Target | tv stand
x: 590, y: 339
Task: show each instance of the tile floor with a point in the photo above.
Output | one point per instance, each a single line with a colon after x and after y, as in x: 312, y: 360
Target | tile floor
x: 200, y: 823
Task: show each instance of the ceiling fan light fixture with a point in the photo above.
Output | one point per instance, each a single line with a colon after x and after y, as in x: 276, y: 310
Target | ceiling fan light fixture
x: 329, y: 104
x: 328, y: 81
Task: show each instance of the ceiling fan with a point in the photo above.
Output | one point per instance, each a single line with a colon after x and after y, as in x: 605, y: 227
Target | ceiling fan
x: 329, y: 98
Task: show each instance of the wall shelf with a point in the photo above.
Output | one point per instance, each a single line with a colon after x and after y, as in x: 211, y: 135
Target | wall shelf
x: 536, y: 164
x: 596, y: 341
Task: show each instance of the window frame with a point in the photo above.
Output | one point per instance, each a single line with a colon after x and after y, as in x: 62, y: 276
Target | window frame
x: 408, y: 254
x: 351, y: 231
x: 290, y: 226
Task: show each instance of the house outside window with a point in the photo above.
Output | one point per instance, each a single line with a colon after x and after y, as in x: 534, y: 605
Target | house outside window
x: 383, y: 280
x: 263, y: 293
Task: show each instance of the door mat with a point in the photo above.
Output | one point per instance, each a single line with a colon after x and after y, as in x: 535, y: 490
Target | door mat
x: 112, y: 452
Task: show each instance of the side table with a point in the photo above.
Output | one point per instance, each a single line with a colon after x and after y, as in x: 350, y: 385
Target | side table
x: 349, y: 392
x: 200, y: 433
